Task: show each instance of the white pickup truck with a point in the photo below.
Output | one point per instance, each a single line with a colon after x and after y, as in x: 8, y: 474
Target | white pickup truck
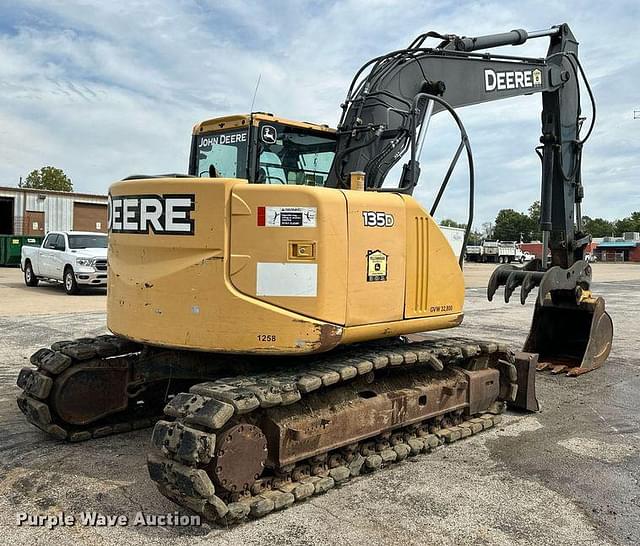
x: 75, y: 258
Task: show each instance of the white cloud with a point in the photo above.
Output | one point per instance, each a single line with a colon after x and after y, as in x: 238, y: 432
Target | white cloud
x: 104, y: 89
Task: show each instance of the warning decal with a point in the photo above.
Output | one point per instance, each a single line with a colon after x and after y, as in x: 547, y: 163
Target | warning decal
x: 376, y: 266
x: 287, y: 216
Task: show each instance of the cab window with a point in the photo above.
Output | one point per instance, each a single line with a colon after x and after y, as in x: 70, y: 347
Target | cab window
x: 50, y: 241
x: 222, y: 154
x: 292, y: 155
x: 54, y: 241
x: 271, y: 171
x: 60, y: 244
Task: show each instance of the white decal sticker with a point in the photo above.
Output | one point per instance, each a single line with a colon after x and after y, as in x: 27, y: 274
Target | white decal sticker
x: 269, y: 134
x: 290, y: 216
x: 513, y: 79
x: 206, y: 142
x: 372, y: 218
x: 284, y: 279
x: 168, y: 214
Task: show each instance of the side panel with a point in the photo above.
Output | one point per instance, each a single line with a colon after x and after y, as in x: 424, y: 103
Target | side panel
x: 435, y: 282
x: 289, y: 248
x: 377, y: 263
x: 174, y: 290
x: 314, y: 268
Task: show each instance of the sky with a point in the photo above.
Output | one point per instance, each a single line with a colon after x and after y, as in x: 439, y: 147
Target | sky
x: 106, y: 89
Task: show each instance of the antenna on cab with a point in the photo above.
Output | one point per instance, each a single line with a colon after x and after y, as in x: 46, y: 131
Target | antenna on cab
x: 255, y: 92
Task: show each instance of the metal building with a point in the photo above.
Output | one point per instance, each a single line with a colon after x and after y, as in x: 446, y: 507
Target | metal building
x: 620, y: 249
x: 26, y: 211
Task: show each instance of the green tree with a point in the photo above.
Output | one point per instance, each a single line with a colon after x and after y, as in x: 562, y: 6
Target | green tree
x: 475, y: 238
x: 630, y: 223
x: 534, y: 217
x: 48, y: 178
x: 511, y: 225
x: 452, y: 223
x: 598, y: 227
x: 534, y: 211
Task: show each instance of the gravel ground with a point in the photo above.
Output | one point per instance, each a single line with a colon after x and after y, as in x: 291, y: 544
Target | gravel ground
x: 566, y: 475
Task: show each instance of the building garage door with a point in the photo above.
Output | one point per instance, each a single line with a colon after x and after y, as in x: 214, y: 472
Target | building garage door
x: 33, y: 223
x: 6, y: 216
x: 89, y: 217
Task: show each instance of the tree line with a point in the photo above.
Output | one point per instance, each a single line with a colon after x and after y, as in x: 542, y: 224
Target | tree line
x: 511, y: 225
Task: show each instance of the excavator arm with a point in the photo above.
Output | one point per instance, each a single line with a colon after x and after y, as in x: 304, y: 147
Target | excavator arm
x: 386, y: 115
x: 386, y: 109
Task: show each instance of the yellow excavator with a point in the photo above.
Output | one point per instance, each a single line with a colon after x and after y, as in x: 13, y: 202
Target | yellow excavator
x: 273, y: 300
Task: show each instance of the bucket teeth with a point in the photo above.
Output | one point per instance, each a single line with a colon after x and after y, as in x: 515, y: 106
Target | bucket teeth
x: 528, y: 284
x: 498, y: 278
x: 513, y: 281
x: 510, y: 276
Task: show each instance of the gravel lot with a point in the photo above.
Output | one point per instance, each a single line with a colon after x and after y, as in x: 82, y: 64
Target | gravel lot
x: 566, y: 475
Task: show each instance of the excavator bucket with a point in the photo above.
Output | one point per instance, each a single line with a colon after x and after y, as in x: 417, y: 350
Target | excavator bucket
x: 571, y: 332
x: 571, y: 338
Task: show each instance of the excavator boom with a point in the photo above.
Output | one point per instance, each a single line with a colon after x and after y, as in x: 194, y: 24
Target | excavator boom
x: 386, y: 115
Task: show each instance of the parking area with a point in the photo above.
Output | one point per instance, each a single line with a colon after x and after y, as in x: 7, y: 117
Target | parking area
x: 566, y: 475
x: 16, y: 299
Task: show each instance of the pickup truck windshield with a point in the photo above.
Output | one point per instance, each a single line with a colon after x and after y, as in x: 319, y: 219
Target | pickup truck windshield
x: 87, y: 241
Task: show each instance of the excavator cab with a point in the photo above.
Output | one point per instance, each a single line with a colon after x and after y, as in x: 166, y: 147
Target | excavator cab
x: 263, y: 149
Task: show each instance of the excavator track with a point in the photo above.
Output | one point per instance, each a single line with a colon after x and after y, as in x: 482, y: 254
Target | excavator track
x: 232, y: 449
x: 37, y: 400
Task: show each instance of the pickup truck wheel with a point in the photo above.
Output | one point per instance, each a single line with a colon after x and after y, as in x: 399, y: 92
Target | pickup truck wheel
x: 30, y: 278
x: 70, y: 284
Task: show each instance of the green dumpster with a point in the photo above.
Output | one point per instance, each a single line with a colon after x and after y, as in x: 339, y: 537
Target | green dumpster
x: 11, y: 247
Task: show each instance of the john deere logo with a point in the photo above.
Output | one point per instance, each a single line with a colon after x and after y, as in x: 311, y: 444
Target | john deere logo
x: 269, y: 134
x: 512, y: 79
x: 537, y: 77
x: 168, y: 214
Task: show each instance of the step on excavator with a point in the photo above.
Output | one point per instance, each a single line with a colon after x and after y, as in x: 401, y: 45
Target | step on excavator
x: 273, y: 301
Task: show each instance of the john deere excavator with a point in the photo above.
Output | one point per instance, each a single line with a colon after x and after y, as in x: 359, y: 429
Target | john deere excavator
x: 272, y: 297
